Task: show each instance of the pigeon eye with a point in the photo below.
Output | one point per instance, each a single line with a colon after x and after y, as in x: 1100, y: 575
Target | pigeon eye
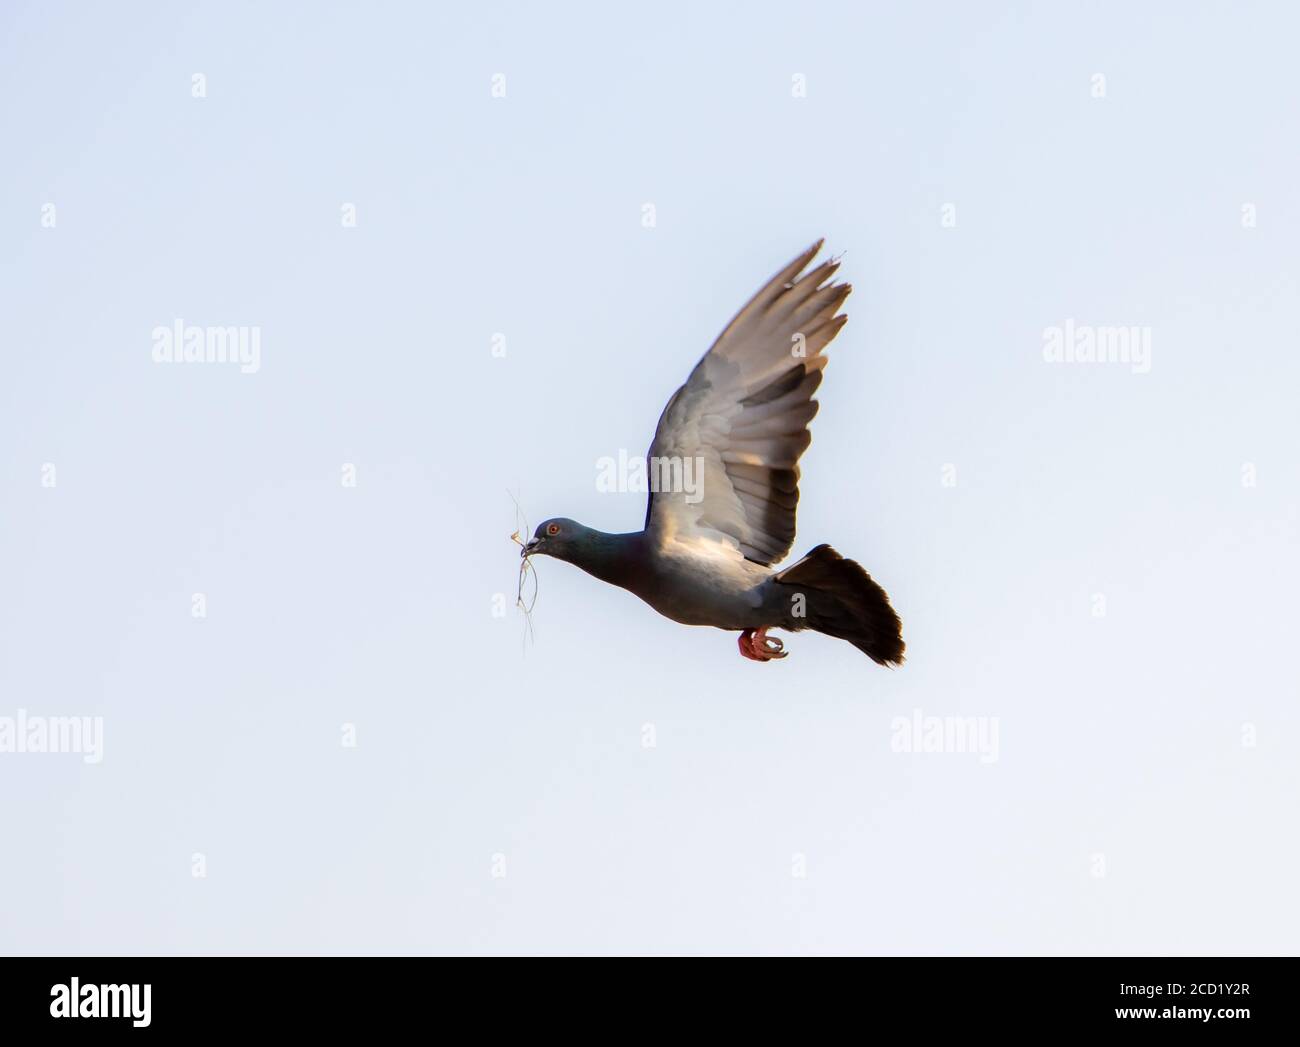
x: 553, y: 529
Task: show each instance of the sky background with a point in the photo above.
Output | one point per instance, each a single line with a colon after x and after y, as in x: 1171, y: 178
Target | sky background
x: 1145, y: 792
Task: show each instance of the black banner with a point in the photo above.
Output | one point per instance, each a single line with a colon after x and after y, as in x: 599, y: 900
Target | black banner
x: 978, y: 996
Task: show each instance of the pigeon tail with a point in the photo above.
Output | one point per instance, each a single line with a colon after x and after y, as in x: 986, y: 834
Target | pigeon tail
x: 841, y: 600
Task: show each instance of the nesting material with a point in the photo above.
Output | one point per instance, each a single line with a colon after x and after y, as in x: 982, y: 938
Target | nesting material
x: 524, y: 600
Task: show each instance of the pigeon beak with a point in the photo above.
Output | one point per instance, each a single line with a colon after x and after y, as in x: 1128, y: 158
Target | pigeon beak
x: 531, y: 547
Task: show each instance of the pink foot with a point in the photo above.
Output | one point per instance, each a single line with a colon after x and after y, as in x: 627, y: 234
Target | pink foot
x: 757, y: 646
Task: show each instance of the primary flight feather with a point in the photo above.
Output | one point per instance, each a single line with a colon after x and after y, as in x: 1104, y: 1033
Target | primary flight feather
x: 705, y: 556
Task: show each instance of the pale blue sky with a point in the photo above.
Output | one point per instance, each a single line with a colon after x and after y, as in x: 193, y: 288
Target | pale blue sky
x: 1119, y: 736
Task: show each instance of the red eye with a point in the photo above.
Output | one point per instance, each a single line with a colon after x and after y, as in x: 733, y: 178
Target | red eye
x: 553, y: 529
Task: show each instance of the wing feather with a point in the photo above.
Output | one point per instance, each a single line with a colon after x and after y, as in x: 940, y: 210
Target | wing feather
x: 744, y: 412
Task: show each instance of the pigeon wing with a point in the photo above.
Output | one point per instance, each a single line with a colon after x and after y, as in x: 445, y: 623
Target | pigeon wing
x: 743, y: 414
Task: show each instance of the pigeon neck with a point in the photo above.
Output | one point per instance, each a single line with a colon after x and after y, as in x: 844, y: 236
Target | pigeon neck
x: 613, y: 558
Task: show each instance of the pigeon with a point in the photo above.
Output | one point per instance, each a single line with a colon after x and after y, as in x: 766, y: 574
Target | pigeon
x: 707, y: 552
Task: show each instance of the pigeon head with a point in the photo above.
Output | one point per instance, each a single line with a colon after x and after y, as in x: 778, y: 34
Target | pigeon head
x: 615, y: 558
x: 561, y: 538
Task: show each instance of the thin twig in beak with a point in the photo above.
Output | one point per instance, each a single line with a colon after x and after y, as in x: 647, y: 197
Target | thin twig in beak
x: 525, y: 569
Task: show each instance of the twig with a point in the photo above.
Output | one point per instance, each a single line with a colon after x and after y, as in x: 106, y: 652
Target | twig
x: 525, y: 569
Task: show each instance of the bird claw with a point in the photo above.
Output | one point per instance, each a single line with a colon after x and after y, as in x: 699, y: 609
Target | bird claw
x: 757, y: 646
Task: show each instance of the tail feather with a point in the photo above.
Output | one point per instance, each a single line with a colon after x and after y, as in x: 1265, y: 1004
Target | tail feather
x: 843, y: 601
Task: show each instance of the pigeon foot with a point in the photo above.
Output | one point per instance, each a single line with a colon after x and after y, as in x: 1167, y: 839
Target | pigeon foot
x: 757, y: 646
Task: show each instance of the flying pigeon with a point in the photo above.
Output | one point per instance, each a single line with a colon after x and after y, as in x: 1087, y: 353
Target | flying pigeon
x: 705, y: 556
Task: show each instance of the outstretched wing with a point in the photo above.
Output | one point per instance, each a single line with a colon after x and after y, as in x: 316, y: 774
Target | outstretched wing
x: 744, y: 413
